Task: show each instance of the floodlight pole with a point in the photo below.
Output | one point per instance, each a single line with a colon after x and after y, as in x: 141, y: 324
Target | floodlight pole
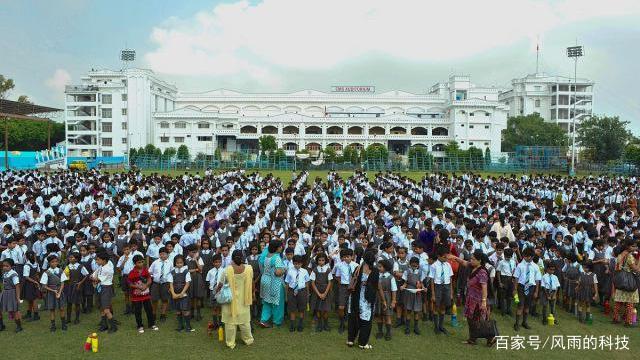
x: 6, y: 143
x: 574, y: 52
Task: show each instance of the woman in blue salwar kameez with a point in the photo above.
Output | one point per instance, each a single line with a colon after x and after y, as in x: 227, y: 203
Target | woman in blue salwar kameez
x: 272, y: 284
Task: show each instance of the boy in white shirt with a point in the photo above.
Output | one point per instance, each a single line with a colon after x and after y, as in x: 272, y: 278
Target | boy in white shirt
x: 159, y: 271
x: 213, y: 278
x: 297, y: 281
x: 526, y: 279
x: 441, y: 287
x: 550, y: 285
x: 103, y: 277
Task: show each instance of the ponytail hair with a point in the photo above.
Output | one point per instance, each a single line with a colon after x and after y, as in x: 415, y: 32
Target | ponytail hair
x: 237, y: 257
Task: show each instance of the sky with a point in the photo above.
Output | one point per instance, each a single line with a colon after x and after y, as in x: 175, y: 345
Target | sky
x: 290, y: 45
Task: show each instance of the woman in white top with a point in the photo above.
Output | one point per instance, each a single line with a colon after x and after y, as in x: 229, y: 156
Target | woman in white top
x: 503, y: 229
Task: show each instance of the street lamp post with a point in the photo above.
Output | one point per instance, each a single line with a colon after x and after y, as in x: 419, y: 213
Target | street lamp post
x: 574, y: 52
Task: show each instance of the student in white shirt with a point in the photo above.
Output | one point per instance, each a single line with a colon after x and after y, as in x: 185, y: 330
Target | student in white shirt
x: 526, y: 279
x: 550, y: 285
x: 441, y: 287
x: 297, y: 281
x: 103, y: 278
x: 179, y: 283
x: 213, y: 278
x: 159, y: 271
x: 52, y: 282
x: 321, y: 283
x: 505, y: 269
x: 343, y: 272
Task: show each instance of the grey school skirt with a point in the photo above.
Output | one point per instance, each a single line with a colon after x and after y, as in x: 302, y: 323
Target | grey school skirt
x: 8, y: 302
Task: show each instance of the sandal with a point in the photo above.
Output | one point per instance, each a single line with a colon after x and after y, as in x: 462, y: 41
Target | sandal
x: 366, y: 347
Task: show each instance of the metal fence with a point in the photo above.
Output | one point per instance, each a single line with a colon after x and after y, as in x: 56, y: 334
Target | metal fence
x: 505, y: 163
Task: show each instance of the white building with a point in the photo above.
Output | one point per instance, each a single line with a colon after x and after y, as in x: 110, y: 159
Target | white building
x: 112, y: 111
x: 453, y: 111
x: 550, y: 96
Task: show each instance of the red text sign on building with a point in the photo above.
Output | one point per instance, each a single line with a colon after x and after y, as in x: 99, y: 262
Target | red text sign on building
x: 354, y: 89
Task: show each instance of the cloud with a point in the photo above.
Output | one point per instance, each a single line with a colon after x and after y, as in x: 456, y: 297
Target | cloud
x: 256, y: 40
x: 58, y: 80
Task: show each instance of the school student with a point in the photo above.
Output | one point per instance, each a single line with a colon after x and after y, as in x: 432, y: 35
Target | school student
x: 344, y: 270
x: 526, y: 280
x: 550, y: 285
x: 102, y: 278
x: 30, y: 286
x: 160, y: 270
x: 139, y: 281
x: 213, y: 279
x: 321, y: 286
x: 586, y: 291
x: 10, y: 295
x: 52, y: 282
x: 77, y: 275
x: 386, y: 303
x: 505, y: 269
x: 179, y: 283
x: 297, y: 281
x: 441, y: 288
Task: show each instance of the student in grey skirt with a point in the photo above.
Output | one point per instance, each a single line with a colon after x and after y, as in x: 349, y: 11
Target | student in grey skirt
x: 387, y: 290
x: 412, y: 299
x: 179, y: 283
x: 52, y: 282
x: 10, y: 294
x: 321, y: 285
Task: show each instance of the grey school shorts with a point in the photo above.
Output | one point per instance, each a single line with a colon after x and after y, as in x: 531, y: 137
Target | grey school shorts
x: 105, y: 296
x: 297, y: 302
x: 443, y: 295
x: 160, y: 292
x: 343, y: 294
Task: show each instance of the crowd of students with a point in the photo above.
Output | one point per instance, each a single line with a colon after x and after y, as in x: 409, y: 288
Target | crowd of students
x: 69, y: 239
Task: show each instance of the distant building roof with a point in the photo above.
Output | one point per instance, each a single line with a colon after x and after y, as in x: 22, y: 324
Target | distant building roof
x: 13, y: 108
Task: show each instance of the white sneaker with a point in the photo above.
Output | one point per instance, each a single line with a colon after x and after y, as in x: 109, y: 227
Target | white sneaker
x: 154, y: 328
x: 140, y: 330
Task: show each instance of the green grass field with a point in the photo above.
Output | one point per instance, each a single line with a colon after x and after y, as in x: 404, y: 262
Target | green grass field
x: 36, y: 342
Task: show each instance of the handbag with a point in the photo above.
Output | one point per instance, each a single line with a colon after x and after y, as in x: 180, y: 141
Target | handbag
x: 224, y: 296
x: 483, y: 329
x: 624, y: 280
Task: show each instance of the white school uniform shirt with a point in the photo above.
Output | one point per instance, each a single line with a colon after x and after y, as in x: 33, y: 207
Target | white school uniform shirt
x: 297, y: 279
x: 321, y: 269
x: 506, y: 267
x: 27, y: 268
x: 160, y: 270
x: 9, y: 274
x: 550, y: 282
x: 129, y: 264
x: 180, y: 271
x: 527, y: 273
x: 153, y: 251
x: 394, y: 286
x: 213, y: 277
x: 104, y: 274
x: 44, y: 278
x: 16, y: 254
x: 440, y: 272
x: 344, y: 271
x: 83, y: 270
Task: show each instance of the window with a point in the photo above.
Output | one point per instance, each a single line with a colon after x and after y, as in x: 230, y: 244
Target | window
x: 107, y: 153
x: 180, y: 125
x: 461, y: 125
x: 124, y: 111
x: 124, y: 82
x: 470, y: 126
x: 471, y: 143
x: 205, y: 138
x: 124, y: 126
x: 203, y: 125
x: 124, y: 141
x: 164, y: 125
x: 537, y: 102
x: 486, y: 144
x: 538, y: 87
x: 179, y: 139
x: 106, y: 98
x: 486, y: 126
x: 124, y: 97
x: 487, y: 114
x: 106, y: 113
x: 472, y: 114
x: 107, y: 142
x: 462, y: 142
x: 164, y: 139
x: 106, y: 127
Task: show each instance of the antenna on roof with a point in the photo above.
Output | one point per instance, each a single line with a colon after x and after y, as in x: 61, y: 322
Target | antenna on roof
x: 537, y: 54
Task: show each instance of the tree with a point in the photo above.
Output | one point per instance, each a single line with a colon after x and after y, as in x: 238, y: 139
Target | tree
x: 531, y: 130
x: 169, y: 153
x: 350, y: 154
x: 487, y: 156
x: 419, y: 157
x: 267, y: 144
x: 183, y: 153
x: 24, y: 99
x: 133, y: 155
x: 201, y: 156
x: 330, y: 154
x: 217, y: 155
x: 604, y: 137
x: 280, y: 155
x: 632, y: 154
x: 28, y: 135
x: 5, y: 86
x: 150, y: 150
x: 377, y: 152
x: 452, y: 149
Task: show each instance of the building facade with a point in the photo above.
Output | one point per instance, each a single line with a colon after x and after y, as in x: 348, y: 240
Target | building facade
x: 112, y: 111
x: 550, y: 96
x: 456, y: 110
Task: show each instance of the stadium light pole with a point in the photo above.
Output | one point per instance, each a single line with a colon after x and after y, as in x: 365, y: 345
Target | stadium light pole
x: 574, y: 52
